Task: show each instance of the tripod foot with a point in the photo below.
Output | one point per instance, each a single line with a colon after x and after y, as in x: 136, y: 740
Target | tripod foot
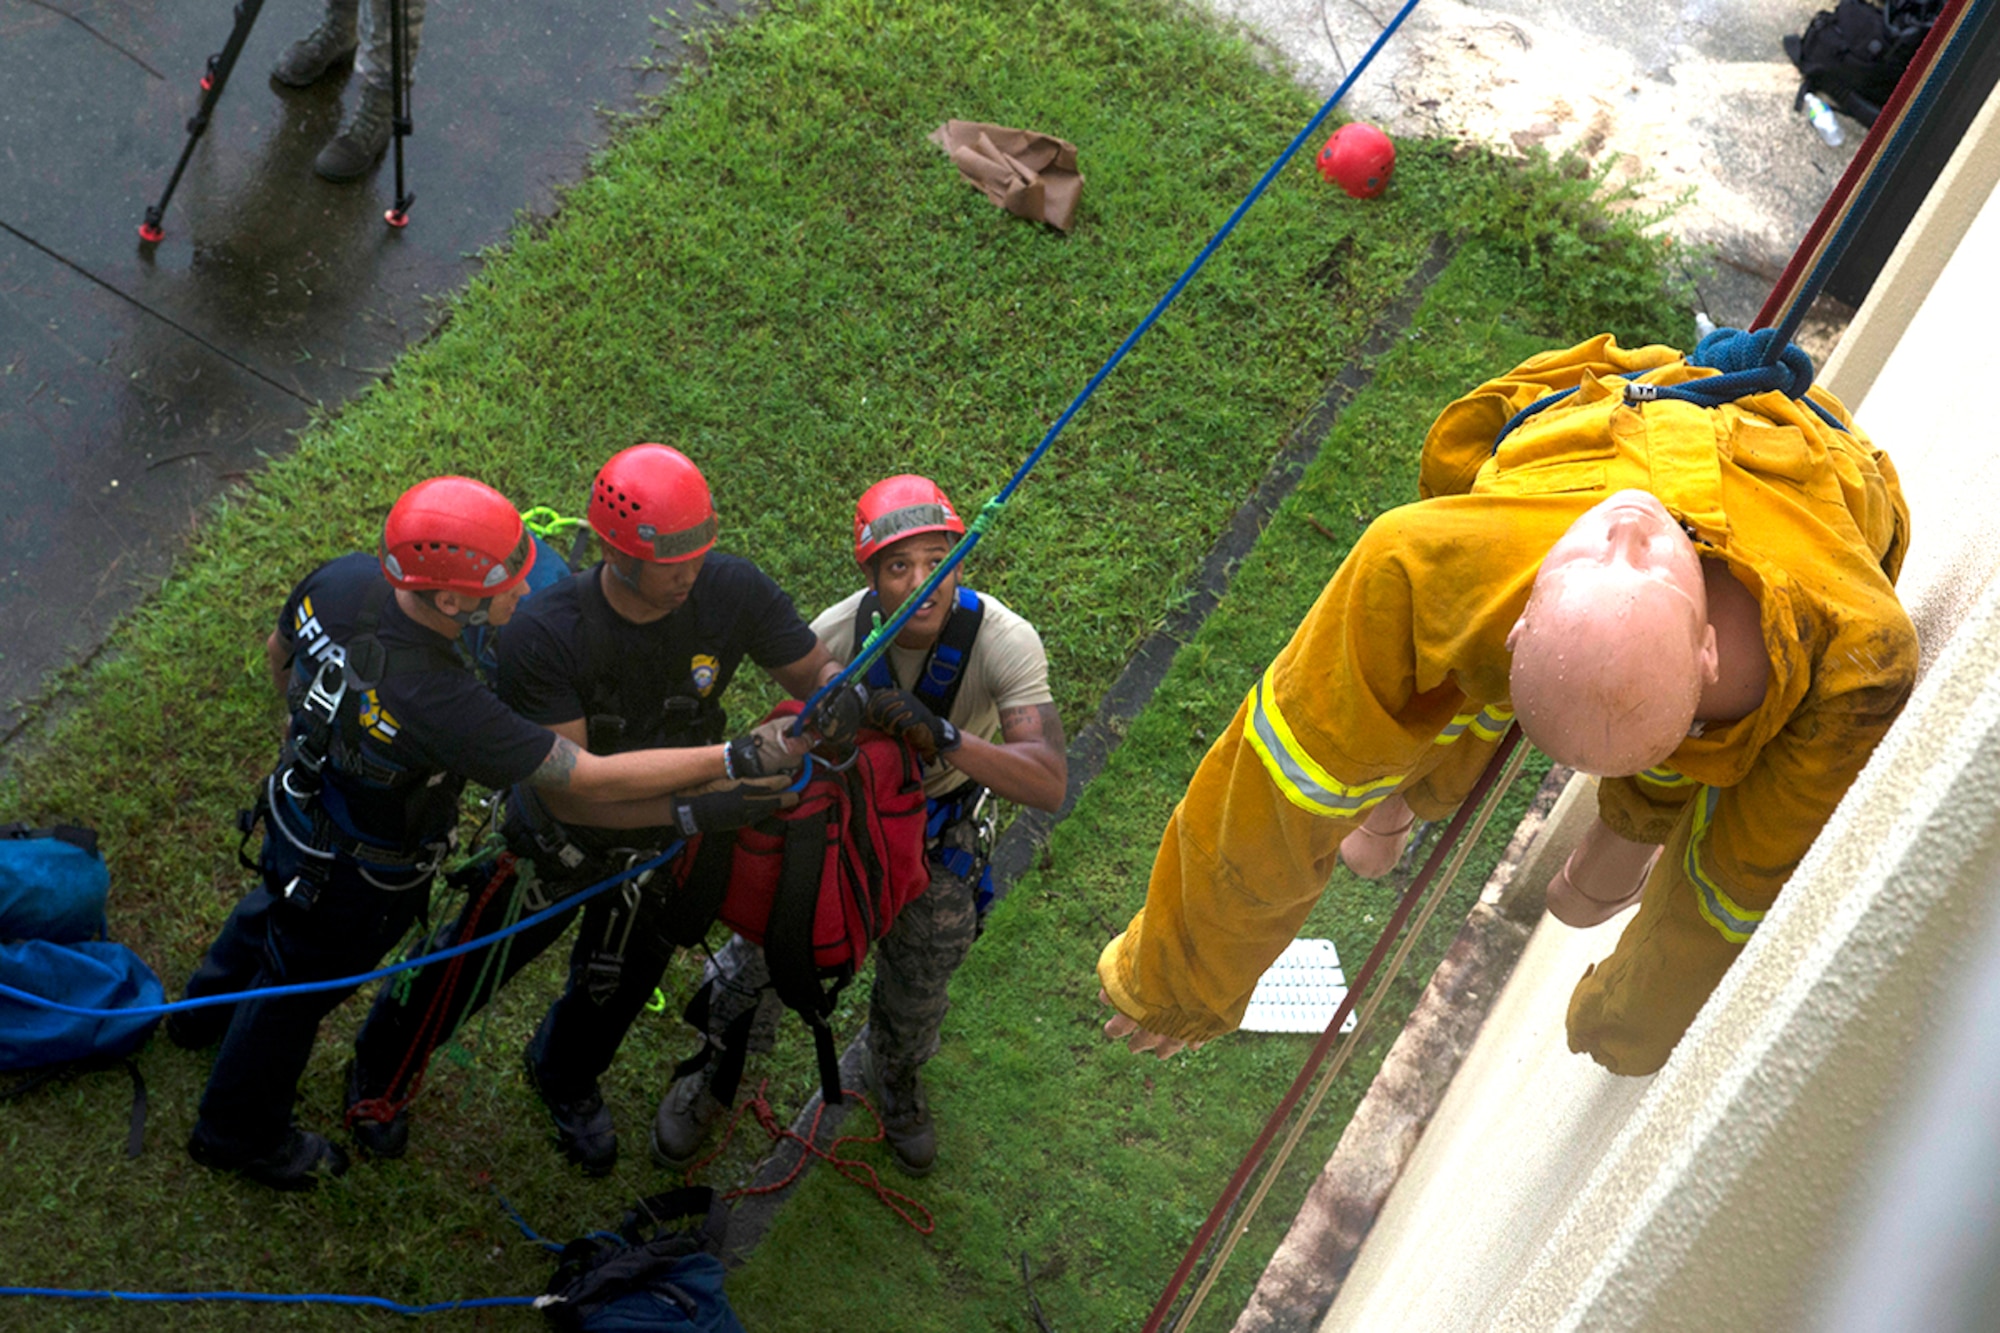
x: 152, y: 233
x: 396, y: 217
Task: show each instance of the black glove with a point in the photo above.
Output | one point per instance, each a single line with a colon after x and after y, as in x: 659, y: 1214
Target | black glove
x: 904, y: 716
x: 730, y: 808
x: 762, y: 753
x: 838, y: 717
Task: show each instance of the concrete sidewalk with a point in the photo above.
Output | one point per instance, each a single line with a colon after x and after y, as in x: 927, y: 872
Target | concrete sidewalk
x: 138, y: 382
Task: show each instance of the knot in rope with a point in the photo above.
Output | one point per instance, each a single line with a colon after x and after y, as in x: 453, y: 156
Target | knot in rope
x: 1733, y: 350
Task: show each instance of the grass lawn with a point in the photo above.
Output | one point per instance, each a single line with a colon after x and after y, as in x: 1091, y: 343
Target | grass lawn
x: 777, y: 274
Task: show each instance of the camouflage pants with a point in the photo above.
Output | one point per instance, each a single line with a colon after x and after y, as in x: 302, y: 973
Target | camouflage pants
x: 372, y: 59
x: 913, y: 967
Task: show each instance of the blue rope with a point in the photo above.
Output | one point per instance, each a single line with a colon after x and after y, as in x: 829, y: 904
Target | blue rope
x: 1747, y: 362
x: 878, y: 642
x: 1878, y: 176
x: 269, y: 1298
x: 309, y: 987
x: 522, y: 1223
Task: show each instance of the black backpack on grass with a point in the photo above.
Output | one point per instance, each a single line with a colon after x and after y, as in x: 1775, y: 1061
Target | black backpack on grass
x: 1853, y: 54
x: 649, y: 1277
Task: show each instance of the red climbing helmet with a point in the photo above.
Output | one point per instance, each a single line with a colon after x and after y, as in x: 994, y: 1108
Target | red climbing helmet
x: 457, y: 534
x: 652, y: 501
x: 899, y: 507
x: 1359, y: 159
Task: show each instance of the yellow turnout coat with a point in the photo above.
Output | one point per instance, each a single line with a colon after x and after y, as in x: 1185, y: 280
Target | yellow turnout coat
x: 1398, y: 678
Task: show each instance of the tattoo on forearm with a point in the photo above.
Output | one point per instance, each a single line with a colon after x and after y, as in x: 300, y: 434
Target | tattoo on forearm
x: 1036, y: 723
x: 558, y: 767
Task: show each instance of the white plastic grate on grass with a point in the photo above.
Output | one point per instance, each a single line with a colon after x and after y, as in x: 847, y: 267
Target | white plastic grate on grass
x: 1300, y: 991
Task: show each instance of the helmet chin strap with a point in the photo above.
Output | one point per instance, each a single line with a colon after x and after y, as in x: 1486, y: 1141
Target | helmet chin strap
x: 478, y: 615
x: 618, y: 572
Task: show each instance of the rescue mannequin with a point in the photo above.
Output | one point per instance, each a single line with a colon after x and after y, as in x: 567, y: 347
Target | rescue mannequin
x: 1691, y: 599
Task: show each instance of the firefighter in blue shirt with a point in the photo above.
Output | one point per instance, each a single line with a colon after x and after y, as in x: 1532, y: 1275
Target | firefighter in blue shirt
x: 387, y: 726
x: 632, y: 653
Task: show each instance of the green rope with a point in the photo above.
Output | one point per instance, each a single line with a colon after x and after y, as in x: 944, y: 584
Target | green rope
x: 499, y: 959
x: 547, y: 524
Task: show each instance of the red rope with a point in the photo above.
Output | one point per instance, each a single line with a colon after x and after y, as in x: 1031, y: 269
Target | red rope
x: 429, y: 1032
x: 1320, y: 1051
x: 860, y: 1173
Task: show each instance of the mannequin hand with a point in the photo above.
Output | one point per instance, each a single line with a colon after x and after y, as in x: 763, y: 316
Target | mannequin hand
x: 765, y: 751
x: 1137, y: 1039
x: 730, y: 808
x: 904, y: 716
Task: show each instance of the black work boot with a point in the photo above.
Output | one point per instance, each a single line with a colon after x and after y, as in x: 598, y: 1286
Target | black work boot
x: 305, y: 61
x: 298, y: 1163
x: 378, y: 1138
x: 907, y: 1127
x: 686, y: 1116
x: 362, y: 138
x: 583, y: 1127
x: 198, y: 1029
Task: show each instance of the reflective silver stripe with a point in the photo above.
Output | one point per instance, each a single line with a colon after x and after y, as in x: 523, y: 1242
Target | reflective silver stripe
x: 1488, y: 724
x: 1491, y: 723
x: 886, y: 528
x: 1731, y: 920
x: 677, y: 545
x: 1294, y: 772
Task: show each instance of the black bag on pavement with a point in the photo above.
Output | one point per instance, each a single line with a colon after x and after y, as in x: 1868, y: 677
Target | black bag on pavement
x: 1853, y: 54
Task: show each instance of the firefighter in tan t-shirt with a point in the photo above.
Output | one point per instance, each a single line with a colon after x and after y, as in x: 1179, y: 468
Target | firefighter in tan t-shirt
x: 966, y: 683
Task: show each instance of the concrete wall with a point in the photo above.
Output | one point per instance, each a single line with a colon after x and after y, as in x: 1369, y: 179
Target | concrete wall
x: 1716, y: 1194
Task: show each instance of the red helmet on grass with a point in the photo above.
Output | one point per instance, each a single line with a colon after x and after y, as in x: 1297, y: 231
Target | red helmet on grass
x: 454, y: 534
x: 1359, y: 159
x: 899, y: 507
x: 652, y: 502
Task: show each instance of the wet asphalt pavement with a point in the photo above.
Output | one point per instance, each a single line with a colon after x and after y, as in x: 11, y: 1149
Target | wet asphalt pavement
x: 138, y: 381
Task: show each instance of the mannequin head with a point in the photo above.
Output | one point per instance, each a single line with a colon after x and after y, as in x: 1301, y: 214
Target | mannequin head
x: 1613, y: 650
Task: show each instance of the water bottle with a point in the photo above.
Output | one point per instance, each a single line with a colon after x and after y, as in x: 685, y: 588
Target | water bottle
x: 1821, y: 116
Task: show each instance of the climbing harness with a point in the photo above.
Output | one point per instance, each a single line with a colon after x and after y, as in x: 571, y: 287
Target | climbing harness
x: 939, y: 678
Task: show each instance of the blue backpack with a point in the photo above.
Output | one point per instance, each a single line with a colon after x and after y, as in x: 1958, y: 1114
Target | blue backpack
x: 52, y: 890
x: 648, y: 1278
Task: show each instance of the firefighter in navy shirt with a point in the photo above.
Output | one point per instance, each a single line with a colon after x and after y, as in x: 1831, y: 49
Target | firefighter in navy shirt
x: 387, y: 726
x: 632, y: 653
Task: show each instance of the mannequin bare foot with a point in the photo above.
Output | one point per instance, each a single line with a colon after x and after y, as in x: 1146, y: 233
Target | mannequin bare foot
x: 1372, y: 850
x: 1603, y: 876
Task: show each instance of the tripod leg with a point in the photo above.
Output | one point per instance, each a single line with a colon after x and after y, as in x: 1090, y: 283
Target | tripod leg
x: 214, y: 78
x: 399, y: 122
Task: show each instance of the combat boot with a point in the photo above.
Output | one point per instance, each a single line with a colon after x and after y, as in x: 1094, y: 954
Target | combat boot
x: 687, y: 1114
x: 907, y: 1127
x: 296, y: 1164
x: 362, y: 138
x: 307, y: 60
x: 584, y: 1130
